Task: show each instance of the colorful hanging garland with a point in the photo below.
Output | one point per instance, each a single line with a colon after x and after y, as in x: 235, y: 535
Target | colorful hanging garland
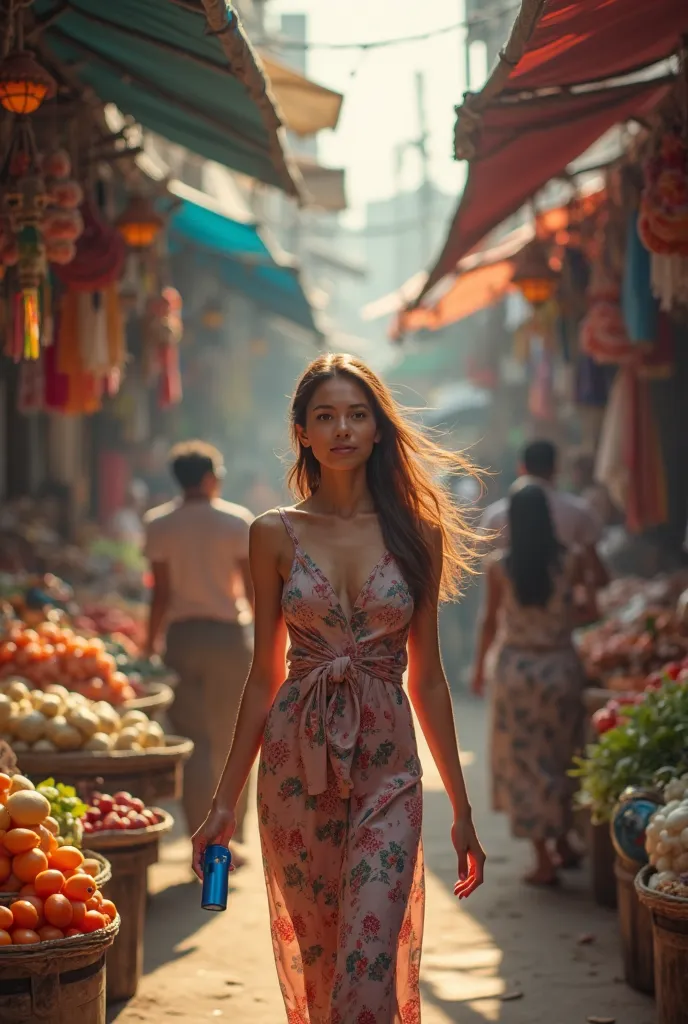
x: 163, y: 334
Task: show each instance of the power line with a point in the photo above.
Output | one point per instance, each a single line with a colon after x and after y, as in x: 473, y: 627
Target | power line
x: 378, y: 44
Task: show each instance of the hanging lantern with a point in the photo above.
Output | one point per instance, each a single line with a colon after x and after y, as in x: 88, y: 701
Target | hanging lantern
x: 140, y: 224
x: 533, y: 275
x: 213, y: 317
x: 24, y: 84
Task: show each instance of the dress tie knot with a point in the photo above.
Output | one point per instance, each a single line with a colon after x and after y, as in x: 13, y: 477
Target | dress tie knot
x: 339, y: 667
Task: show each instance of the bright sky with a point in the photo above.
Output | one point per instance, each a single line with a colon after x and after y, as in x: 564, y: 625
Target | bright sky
x: 380, y: 109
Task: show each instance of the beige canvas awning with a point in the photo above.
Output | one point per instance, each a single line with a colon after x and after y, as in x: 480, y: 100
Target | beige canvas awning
x: 324, y: 187
x: 306, y: 107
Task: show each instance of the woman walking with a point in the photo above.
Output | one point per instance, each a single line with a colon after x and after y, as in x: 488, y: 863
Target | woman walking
x: 536, y: 682
x: 353, y: 573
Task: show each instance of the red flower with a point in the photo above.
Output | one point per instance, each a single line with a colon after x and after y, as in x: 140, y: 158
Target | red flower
x: 368, y: 719
x: 414, y: 809
x: 371, y: 924
x: 369, y: 841
x: 299, y: 925
x: 295, y: 841
x: 405, y: 932
x: 395, y: 894
x: 410, y: 1012
x: 362, y: 965
x: 283, y: 929
x: 279, y: 838
x: 366, y: 1017
x: 277, y: 754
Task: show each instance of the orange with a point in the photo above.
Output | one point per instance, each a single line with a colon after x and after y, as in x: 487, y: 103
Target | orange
x: 24, y: 914
x: 25, y: 937
x: 38, y: 904
x: 47, y: 933
x: 72, y: 931
x: 95, y: 902
x: 5, y: 782
x: 21, y: 840
x: 5, y: 938
x: 58, y: 911
x: 79, y: 887
x: 52, y: 825
x: 78, y: 913
x: 49, y: 882
x: 27, y: 890
x: 54, y: 846
x: 6, y: 918
x: 27, y: 865
x: 91, y: 866
x: 109, y: 908
x: 11, y: 884
x: 94, y: 921
x: 66, y: 857
x: 5, y: 867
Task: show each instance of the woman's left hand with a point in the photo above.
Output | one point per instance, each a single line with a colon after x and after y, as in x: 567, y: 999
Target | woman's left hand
x: 471, y: 856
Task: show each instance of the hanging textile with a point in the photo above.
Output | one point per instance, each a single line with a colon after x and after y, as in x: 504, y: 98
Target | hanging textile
x: 640, y: 308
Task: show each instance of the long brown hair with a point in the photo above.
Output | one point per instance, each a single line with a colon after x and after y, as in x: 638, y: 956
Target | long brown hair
x: 403, y: 478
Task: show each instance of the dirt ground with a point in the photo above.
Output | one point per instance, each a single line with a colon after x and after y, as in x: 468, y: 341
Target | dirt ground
x: 509, y: 954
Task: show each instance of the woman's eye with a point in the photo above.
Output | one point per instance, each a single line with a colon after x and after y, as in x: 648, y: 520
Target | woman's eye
x: 323, y: 416
x: 359, y: 415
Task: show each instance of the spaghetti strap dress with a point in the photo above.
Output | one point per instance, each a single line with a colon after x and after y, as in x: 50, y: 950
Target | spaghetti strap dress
x: 340, y: 804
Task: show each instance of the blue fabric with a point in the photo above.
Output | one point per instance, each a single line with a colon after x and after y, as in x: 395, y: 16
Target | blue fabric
x: 245, y: 263
x: 639, y: 307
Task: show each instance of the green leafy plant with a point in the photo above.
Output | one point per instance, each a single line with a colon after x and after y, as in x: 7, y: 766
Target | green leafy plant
x: 67, y: 810
x: 650, y: 742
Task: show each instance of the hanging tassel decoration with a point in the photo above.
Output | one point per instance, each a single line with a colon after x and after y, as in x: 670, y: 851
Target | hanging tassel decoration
x: 32, y: 331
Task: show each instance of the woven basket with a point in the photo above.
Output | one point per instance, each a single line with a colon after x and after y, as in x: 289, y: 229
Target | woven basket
x: 115, y: 840
x: 157, y: 697
x: 107, y: 762
x: 37, y: 958
x: 660, y: 903
x: 104, y: 875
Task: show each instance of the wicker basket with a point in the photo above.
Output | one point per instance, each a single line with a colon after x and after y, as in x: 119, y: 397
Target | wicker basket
x: 75, y: 946
x: 157, y: 698
x: 105, y: 762
x: 115, y: 840
x: 104, y: 875
x: 674, y: 907
x: 670, y: 933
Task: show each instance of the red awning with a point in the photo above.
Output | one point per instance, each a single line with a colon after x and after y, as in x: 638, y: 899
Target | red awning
x: 579, y: 41
x: 522, y: 146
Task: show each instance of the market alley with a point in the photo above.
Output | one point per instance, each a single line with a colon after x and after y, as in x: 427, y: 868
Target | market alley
x: 510, y: 954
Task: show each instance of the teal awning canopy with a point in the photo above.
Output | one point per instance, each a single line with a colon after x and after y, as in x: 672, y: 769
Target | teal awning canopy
x: 155, y: 61
x: 235, y: 252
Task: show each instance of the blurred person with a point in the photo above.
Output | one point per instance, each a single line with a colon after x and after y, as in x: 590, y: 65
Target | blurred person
x: 340, y: 802
x: 535, y: 679
x: 576, y: 524
x: 126, y: 524
x: 202, y: 593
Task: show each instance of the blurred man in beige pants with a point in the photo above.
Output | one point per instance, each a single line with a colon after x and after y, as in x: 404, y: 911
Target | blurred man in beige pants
x: 202, y: 594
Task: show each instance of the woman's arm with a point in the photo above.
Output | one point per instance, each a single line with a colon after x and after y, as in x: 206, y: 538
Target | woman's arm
x: 431, y: 699
x: 487, y: 625
x: 266, y: 676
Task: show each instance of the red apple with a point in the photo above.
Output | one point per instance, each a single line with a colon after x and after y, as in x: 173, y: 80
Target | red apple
x: 106, y: 804
x: 111, y: 821
x: 87, y: 827
x: 123, y: 797
x: 136, y: 804
x: 138, y: 821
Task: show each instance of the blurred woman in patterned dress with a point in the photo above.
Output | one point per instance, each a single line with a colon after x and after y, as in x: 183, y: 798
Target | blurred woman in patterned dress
x: 535, y: 680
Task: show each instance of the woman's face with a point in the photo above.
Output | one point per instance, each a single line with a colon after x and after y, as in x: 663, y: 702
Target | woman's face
x: 340, y: 427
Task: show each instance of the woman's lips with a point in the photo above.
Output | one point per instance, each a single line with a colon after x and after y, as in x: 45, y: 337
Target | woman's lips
x: 343, y: 449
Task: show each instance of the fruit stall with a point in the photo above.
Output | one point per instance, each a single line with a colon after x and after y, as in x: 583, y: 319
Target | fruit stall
x: 634, y: 780
x: 78, y: 707
x: 56, y: 923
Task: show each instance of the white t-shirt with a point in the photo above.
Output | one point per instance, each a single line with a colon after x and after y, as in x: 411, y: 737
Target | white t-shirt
x: 202, y: 543
x: 575, y: 522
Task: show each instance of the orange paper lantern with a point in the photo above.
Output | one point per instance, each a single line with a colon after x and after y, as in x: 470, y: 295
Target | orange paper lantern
x: 140, y: 224
x: 24, y: 84
x: 533, y: 275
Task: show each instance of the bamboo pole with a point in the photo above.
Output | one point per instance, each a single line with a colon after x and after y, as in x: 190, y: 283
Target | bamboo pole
x: 246, y: 65
x: 469, y: 113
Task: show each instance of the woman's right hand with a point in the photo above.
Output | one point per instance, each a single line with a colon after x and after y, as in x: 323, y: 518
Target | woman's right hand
x: 218, y: 828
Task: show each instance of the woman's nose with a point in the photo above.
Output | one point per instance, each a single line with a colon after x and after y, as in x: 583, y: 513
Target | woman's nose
x: 343, y: 427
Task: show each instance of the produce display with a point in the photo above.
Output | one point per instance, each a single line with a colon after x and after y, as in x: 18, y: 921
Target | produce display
x: 107, y: 619
x: 620, y: 654
x: 633, y: 595
x: 613, y: 712
x: 118, y: 813
x: 57, y: 721
x: 648, y: 737
x: 53, y: 654
x: 67, y: 810
x: 666, y: 839
x: 57, y: 892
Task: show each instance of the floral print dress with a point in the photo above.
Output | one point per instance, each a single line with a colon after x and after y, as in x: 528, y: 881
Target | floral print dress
x: 340, y: 806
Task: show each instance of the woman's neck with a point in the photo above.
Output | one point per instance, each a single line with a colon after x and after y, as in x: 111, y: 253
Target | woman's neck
x: 343, y: 494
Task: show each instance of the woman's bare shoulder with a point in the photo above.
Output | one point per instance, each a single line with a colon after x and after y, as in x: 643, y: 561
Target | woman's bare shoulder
x: 268, y: 527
